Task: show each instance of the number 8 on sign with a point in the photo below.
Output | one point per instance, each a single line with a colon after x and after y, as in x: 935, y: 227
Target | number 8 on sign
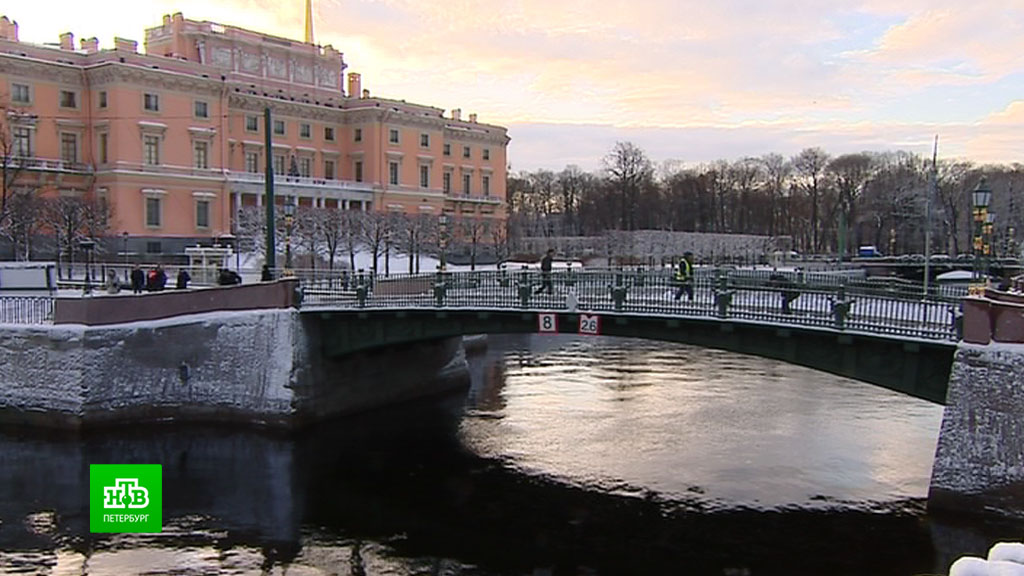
x: 547, y: 323
x: 590, y: 324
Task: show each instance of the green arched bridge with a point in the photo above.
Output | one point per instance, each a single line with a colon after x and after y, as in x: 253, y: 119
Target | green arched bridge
x: 886, y: 333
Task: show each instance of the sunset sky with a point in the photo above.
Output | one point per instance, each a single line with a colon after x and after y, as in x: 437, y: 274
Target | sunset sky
x: 687, y: 81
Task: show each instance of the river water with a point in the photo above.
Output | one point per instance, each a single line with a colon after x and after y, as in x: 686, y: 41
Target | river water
x: 567, y: 456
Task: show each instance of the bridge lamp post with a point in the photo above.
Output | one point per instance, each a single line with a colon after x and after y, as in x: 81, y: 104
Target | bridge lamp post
x: 442, y: 222
x: 87, y: 245
x: 980, y: 198
x: 289, y: 220
x: 124, y: 245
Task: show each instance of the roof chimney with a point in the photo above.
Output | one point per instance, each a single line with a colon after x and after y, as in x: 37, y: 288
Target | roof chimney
x: 457, y: 114
x: 67, y: 41
x: 5, y: 28
x: 354, y: 84
x: 366, y: 93
x: 472, y: 118
x: 125, y: 45
x: 167, y: 20
x: 90, y: 45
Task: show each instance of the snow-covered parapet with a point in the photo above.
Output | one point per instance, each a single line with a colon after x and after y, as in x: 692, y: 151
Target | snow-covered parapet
x: 1004, y: 559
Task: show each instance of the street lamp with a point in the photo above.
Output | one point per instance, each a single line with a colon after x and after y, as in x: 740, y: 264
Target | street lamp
x: 124, y: 238
x: 442, y: 222
x: 87, y: 245
x: 980, y: 199
x: 289, y: 219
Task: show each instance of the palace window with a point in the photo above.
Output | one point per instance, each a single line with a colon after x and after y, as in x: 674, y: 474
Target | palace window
x: 102, y: 99
x: 201, y: 155
x: 21, y: 94
x: 486, y: 185
x: 393, y: 173
x: 487, y: 153
x: 22, y: 142
x: 393, y: 136
x: 425, y: 140
x: 305, y: 131
x: 358, y: 168
x: 447, y: 182
x: 357, y: 135
x: 305, y: 167
x: 329, y: 169
x: 465, y: 184
x: 68, y: 147
x: 279, y: 127
x: 151, y: 102
x: 329, y: 133
x: 153, y: 209
x: 252, y: 162
x: 68, y: 99
x: 201, y: 109
x: 202, y: 213
x: 447, y: 149
x: 151, y: 150
x: 252, y: 124
x: 104, y: 139
x: 279, y: 163
x: 424, y: 176
x: 465, y: 152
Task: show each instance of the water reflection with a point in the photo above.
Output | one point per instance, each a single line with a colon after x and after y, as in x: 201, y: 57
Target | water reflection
x: 576, y: 457
x: 677, y: 420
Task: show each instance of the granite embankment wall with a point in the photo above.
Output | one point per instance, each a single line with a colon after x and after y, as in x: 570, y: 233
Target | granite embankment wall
x: 258, y: 366
x: 979, y: 461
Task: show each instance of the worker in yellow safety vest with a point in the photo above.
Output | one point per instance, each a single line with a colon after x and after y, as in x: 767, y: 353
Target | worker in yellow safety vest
x: 684, y: 277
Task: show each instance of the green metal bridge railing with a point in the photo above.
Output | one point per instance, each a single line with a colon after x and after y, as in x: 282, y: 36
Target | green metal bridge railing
x: 818, y: 300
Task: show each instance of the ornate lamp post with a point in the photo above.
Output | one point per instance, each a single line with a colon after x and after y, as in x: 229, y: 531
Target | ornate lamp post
x: 980, y: 198
x: 87, y: 245
x: 124, y: 245
x: 289, y: 219
x: 442, y: 222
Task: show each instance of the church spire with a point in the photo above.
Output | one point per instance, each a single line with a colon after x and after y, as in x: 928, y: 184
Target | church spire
x: 309, y: 21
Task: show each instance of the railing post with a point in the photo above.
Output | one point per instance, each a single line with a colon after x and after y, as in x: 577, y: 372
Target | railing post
x: 361, y: 291
x: 440, y: 289
x: 618, y: 292
x: 957, y: 319
x: 841, y: 308
x: 723, y: 295
x: 525, y: 290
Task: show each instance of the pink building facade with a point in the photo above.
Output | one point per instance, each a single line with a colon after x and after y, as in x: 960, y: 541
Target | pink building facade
x: 173, y: 139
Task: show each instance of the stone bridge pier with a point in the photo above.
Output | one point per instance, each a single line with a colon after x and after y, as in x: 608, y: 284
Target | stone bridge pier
x: 979, y: 461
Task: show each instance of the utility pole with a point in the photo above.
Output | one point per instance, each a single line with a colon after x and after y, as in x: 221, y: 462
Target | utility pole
x: 271, y: 251
x: 928, y: 217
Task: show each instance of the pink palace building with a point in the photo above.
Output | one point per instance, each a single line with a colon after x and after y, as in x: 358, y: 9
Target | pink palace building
x: 173, y: 138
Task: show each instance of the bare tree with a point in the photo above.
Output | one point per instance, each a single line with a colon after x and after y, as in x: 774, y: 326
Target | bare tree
x: 849, y: 173
x: 628, y: 167
x: 15, y: 154
x: 810, y: 164
x: 24, y: 220
x: 472, y: 231
x: 65, y: 216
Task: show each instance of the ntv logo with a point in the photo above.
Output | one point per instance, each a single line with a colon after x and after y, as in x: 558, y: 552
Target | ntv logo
x: 125, y: 491
x: 125, y: 498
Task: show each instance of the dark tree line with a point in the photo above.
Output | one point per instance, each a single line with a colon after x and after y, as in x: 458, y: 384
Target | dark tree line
x: 819, y: 201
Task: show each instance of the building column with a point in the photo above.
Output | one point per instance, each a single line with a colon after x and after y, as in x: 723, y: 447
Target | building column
x: 259, y: 200
x: 344, y: 204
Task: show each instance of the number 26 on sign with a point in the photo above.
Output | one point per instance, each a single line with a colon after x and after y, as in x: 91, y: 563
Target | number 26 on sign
x: 590, y: 324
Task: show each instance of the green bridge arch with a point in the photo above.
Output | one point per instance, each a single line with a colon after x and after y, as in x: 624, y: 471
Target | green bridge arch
x: 916, y: 367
